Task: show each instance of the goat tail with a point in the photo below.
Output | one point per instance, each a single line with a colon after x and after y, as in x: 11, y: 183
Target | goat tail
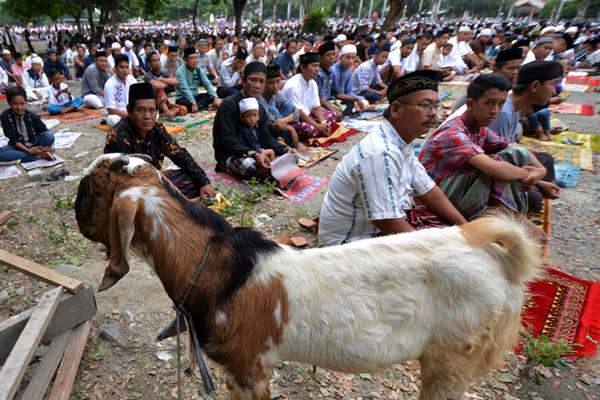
x: 509, y: 238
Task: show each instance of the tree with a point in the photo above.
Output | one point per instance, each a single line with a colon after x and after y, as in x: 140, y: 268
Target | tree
x: 238, y: 9
x: 393, y: 14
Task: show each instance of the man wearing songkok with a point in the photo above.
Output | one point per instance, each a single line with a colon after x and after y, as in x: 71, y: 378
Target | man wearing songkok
x: 281, y: 112
x: 303, y: 92
x: 189, y: 77
x: 231, y: 152
x: 93, y: 81
x: 366, y: 81
x: 230, y: 74
x: 324, y: 78
x: 475, y: 167
x: 371, y: 189
x: 116, y: 90
x: 140, y: 133
x: 173, y: 61
x: 341, y: 85
x: 508, y: 62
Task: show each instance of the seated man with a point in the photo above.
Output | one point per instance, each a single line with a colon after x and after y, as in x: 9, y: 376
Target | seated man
x: 28, y: 137
x: 282, y: 113
x: 93, y: 81
x: 173, y: 61
x: 397, y: 61
x: 116, y: 90
x: 54, y: 63
x: 162, y: 83
x: 285, y: 59
x: 231, y: 153
x: 139, y: 132
x: 324, y: 78
x: 189, y: 77
x: 475, y: 167
x: 302, y: 91
x: 370, y: 192
x: 230, y: 80
x: 366, y: 81
x: 341, y: 81
x: 60, y: 100
x: 134, y: 62
x: 35, y: 81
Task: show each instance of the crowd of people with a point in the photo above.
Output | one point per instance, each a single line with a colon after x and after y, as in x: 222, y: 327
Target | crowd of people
x: 276, y: 89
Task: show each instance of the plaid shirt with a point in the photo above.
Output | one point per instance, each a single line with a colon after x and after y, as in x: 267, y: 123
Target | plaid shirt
x: 453, y: 144
x: 365, y: 76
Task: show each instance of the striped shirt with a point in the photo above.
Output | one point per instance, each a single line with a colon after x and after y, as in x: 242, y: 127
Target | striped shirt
x: 374, y: 181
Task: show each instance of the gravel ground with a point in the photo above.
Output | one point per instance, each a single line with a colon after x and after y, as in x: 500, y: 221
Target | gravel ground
x: 135, y: 366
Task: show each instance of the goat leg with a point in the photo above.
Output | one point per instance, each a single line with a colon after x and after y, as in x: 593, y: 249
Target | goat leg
x: 171, y: 330
x: 112, y: 274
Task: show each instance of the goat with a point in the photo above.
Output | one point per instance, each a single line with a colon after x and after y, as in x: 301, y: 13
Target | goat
x: 450, y: 297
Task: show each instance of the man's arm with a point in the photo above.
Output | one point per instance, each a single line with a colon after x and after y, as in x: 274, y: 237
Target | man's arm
x: 436, y: 201
x: 182, y: 158
x: 391, y: 226
x: 496, y: 169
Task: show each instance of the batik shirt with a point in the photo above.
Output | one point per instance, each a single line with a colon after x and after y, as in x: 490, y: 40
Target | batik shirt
x: 453, y: 144
x: 157, y: 143
x: 374, y: 181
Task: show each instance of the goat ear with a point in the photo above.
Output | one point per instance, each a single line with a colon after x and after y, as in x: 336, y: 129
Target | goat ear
x: 118, y: 163
x: 121, y: 227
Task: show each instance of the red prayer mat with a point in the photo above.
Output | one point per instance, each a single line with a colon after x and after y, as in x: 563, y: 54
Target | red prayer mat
x: 584, y: 80
x: 564, y: 307
x: 339, y: 134
x: 570, y: 108
x: 76, y: 116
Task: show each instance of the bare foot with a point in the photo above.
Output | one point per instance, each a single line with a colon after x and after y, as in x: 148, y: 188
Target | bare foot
x: 543, y: 136
x: 549, y: 190
x: 556, y: 130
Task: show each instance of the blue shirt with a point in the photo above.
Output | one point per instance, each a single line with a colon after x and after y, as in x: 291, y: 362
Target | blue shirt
x: 285, y: 62
x: 323, y: 80
x: 507, y: 123
x: 341, y: 79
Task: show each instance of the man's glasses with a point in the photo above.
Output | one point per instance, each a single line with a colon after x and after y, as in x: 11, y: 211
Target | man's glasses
x: 426, y: 107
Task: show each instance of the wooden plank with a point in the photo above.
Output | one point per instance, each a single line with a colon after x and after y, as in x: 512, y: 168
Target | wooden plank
x: 63, y: 384
x: 4, y: 216
x: 18, y: 360
x: 39, y: 271
x: 47, y: 367
x: 71, y: 311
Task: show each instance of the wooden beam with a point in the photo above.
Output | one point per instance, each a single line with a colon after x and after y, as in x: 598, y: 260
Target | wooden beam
x: 63, y: 384
x: 47, y: 367
x: 39, y: 271
x: 71, y: 311
x: 18, y: 360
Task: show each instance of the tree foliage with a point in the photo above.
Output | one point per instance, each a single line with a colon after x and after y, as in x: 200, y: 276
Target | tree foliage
x: 571, y: 8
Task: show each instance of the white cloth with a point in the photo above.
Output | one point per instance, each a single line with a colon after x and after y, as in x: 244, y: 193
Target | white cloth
x: 116, y: 92
x: 247, y: 104
x: 110, y: 61
x: 455, y: 59
x: 3, y: 77
x: 133, y: 60
x: 303, y: 95
x: 112, y: 120
x: 374, y: 181
x: 463, y: 47
x: 33, y: 87
x: 251, y: 58
x: 412, y: 61
x: 62, y: 99
x: 93, y: 101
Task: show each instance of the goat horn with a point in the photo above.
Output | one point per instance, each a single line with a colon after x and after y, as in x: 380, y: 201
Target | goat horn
x: 144, y: 157
x: 118, y: 163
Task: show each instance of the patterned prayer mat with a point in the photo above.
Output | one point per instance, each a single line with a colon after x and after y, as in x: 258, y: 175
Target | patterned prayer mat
x: 584, y: 80
x: 576, y: 156
x: 76, y: 116
x: 571, y: 108
x: 340, y: 134
x: 564, y: 307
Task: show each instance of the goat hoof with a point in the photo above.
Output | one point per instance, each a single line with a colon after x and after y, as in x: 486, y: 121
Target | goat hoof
x: 171, y: 330
x: 108, y: 281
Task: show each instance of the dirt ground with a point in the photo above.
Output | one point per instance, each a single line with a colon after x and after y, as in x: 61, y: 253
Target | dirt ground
x: 136, y: 367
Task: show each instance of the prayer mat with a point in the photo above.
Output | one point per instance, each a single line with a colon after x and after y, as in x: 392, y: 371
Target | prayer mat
x: 183, y: 182
x: 314, y: 156
x: 225, y: 179
x: 420, y: 217
x: 575, y: 87
x: 588, y: 140
x: 576, y: 156
x: 368, y: 115
x: 102, y: 127
x: 76, y: 116
x: 339, y: 135
x: 561, y: 306
x: 584, y: 80
x: 543, y: 219
x: 571, y: 108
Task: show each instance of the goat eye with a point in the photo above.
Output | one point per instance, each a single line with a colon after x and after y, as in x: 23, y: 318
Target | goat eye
x: 98, y: 194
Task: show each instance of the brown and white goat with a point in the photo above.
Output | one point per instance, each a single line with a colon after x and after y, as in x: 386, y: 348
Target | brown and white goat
x: 450, y: 298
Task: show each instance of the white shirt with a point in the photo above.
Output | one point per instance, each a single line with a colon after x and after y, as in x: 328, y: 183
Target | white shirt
x: 133, y: 60
x: 412, y: 61
x: 531, y: 57
x: 455, y: 58
x: 374, y: 181
x: 62, y: 99
x: 116, y: 92
x: 303, y: 95
x: 3, y: 77
x: 251, y: 58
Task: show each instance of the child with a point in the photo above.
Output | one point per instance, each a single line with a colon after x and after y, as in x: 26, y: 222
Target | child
x: 249, y: 117
x: 28, y: 137
x: 60, y: 100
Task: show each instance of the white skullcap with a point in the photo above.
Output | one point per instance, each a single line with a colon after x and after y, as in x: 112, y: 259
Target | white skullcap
x: 560, y: 28
x: 486, y: 32
x: 247, y: 104
x: 167, y: 42
x: 548, y: 29
x: 36, y: 60
x: 572, y: 29
x: 340, y: 38
x: 349, y: 48
x: 128, y: 44
x: 463, y: 29
x: 5, y: 51
x: 115, y: 45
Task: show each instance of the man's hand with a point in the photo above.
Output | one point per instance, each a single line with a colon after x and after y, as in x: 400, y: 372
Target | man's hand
x: 194, y: 107
x: 217, y: 102
x: 208, y: 190
x: 360, y: 107
x: 269, y: 153
x: 323, y: 128
x: 279, y: 124
x: 535, y: 175
x: 264, y: 163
